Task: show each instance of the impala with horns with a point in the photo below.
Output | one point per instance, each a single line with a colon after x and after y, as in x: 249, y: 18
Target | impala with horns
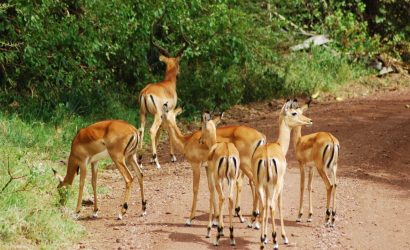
x: 245, y: 139
x: 269, y: 167
x: 113, y: 139
x: 223, y: 164
x: 155, y: 95
x: 320, y: 150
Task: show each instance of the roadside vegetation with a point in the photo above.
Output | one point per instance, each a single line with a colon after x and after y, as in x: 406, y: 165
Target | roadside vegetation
x: 65, y: 64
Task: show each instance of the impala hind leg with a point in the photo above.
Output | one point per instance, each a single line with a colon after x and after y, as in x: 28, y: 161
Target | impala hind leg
x: 140, y: 176
x: 212, y: 201
x: 282, y: 224
x: 239, y: 185
x: 334, y: 182
x: 219, y: 189
x: 231, y: 206
x: 153, y: 132
x: 329, y: 193
x: 141, y: 129
x: 120, y: 163
x: 94, y: 184
x: 302, y: 189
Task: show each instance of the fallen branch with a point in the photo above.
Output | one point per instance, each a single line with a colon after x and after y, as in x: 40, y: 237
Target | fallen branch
x: 312, y: 41
x: 12, y: 178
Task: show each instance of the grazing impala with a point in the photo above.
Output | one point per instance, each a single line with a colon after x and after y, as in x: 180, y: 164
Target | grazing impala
x: 321, y: 150
x: 155, y: 95
x: 223, y: 164
x: 113, y: 138
x: 269, y: 167
x: 245, y: 139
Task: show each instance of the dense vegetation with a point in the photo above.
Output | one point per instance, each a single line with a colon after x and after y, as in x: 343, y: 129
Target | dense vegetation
x: 67, y: 63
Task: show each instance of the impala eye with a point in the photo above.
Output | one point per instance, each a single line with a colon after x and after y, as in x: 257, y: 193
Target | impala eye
x: 294, y: 113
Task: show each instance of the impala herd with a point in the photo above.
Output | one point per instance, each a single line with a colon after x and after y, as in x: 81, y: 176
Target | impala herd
x: 229, y: 153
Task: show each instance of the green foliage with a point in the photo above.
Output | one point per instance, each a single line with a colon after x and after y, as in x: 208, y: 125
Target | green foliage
x: 30, y: 213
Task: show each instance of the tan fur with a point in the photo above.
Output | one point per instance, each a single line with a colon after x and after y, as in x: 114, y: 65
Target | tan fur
x: 310, y: 153
x: 269, y: 180
x: 153, y: 97
x: 113, y: 139
x: 223, y: 164
x: 244, y: 138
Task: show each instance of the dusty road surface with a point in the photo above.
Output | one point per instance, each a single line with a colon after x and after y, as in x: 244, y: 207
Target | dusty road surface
x: 373, y: 199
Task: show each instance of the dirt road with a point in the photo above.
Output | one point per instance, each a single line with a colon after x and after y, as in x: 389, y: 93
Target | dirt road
x: 373, y: 192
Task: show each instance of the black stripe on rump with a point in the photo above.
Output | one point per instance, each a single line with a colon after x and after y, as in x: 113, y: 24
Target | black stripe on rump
x: 276, y: 167
x: 128, y: 144
x: 220, y: 164
x: 324, y: 153
x: 153, y: 102
x: 259, y: 167
x: 331, y: 157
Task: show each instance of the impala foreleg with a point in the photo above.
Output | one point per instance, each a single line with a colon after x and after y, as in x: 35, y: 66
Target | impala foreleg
x: 153, y: 132
x: 94, y: 184
x: 212, y: 202
x: 302, y: 189
x: 196, y: 171
x: 310, y: 194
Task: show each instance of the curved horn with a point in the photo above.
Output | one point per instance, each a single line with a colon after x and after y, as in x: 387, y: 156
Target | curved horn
x: 186, y: 42
x: 151, y: 37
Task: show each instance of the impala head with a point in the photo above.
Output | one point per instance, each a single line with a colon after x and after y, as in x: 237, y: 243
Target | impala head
x: 208, y: 128
x: 169, y: 116
x: 59, y: 178
x: 292, y: 114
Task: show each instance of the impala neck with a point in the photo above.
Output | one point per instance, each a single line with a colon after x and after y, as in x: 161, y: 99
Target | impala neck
x: 171, y: 75
x: 296, y: 135
x: 72, y: 167
x: 284, y: 136
x: 177, y: 138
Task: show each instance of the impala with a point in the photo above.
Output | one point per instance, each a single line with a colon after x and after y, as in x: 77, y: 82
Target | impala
x: 245, y: 139
x: 223, y: 164
x: 269, y: 167
x: 112, y: 138
x: 155, y: 95
x: 321, y: 150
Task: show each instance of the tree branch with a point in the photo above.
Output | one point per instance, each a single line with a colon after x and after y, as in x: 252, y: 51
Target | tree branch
x: 12, y: 178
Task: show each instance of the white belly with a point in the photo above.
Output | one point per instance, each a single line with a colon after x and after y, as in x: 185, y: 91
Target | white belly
x: 102, y: 155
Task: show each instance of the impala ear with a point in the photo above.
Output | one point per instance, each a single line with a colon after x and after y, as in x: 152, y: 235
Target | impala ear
x: 286, y: 106
x: 178, y: 111
x: 206, y: 116
x: 57, y: 176
x: 218, y: 118
x: 162, y: 58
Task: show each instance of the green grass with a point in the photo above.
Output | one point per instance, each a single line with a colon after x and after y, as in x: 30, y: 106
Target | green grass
x: 30, y: 213
x: 320, y: 69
